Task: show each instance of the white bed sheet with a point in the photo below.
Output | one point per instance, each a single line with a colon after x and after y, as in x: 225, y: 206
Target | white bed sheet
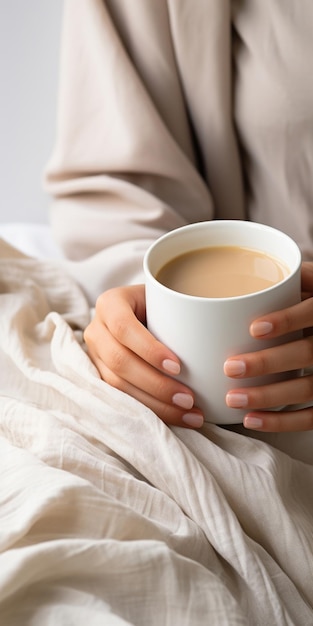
x: 107, y: 516
x: 32, y: 239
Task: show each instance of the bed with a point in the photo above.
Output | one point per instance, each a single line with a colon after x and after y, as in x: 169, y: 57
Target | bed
x: 107, y: 516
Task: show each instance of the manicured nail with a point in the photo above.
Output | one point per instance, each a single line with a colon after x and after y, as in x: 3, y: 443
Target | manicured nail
x: 171, y: 367
x: 193, y: 419
x: 236, y: 400
x: 184, y: 400
x: 234, y: 368
x: 252, y: 422
x: 258, y: 329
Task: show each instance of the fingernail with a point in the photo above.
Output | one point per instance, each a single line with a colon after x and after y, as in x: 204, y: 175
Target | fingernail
x: 171, y: 367
x: 258, y: 329
x: 234, y: 368
x: 184, y: 400
x: 236, y: 400
x: 193, y: 419
x: 252, y: 422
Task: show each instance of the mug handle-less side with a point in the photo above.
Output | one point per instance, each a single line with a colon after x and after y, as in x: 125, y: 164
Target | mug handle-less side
x: 204, y: 332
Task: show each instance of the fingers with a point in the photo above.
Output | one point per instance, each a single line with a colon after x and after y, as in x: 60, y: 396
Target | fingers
x: 123, y: 369
x: 130, y: 359
x: 122, y: 312
x: 294, y: 391
x: 291, y: 421
x: 280, y: 323
x: 288, y: 357
x: 297, y: 317
x: 178, y: 411
x: 295, y: 355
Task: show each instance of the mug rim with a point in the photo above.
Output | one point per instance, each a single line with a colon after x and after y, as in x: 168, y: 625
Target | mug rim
x: 176, y: 232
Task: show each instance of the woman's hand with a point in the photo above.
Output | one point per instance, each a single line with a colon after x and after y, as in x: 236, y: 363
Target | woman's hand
x: 286, y: 357
x: 129, y: 358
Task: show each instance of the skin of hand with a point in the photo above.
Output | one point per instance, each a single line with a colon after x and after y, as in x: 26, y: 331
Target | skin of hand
x: 295, y: 355
x: 129, y: 358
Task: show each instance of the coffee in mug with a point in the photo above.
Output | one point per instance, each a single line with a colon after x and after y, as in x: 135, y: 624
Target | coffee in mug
x: 222, y: 272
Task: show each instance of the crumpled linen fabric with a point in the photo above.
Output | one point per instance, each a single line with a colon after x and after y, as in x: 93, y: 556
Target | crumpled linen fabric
x: 109, y: 516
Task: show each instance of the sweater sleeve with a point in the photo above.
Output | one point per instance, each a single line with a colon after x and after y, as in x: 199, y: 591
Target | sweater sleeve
x: 126, y: 166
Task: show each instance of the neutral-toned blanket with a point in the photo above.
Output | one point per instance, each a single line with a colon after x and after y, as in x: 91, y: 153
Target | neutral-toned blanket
x: 107, y: 516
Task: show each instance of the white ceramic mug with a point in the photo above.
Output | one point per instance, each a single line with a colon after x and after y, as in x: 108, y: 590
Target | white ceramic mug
x: 203, y: 332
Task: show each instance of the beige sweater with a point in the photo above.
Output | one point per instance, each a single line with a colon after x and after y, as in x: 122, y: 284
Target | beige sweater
x: 175, y: 111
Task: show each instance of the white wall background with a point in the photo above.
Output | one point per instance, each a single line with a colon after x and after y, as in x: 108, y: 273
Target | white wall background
x: 29, y: 66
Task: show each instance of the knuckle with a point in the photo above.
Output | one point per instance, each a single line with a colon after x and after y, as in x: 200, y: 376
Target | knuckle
x: 151, y: 352
x: 277, y: 423
x: 88, y: 334
x: 111, y: 379
x: 101, y: 300
x: 106, y: 301
x: 162, y: 388
x: 169, y: 414
x: 119, y: 329
x: 117, y: 360
x: 288, y: 322
x: 256, y: 397
x: 262, y: 363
